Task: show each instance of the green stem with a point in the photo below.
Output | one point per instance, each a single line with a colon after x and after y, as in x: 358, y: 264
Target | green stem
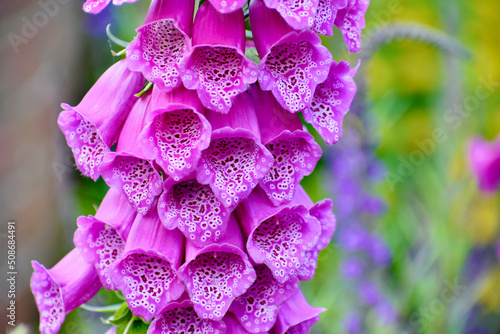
x: 101, y: 309
x: 249, y: 34
x: 115, y: 39
x: 129, y: 324
x: 146, y: 88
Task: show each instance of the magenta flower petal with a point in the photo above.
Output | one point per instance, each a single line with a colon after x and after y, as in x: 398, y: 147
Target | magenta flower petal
x: 162, y: 42
x: 331, y: 102
x: 176, y: 133
x: 61, y: 289
x: 351, y: 21
x: 227, y: 6
x: 295, y: 151
x: 323, y: 211
x: 296, y: 316
x: 257, y: 309
x: 101, y: 239
x: 279, y: 236
x: 216, y: 66
x: 146, y: 273
x: 127, y: 169
x: 484, y: 160
x: 94, y: 125
x: 194, y: 209
x: 292, y: 63
x: 233, y: 325
x: 218, y: 273
x: 96, y: 6
x: 299, y: 14
x: 326, y: 15
x: 182, y: 318
x: 236, y: 161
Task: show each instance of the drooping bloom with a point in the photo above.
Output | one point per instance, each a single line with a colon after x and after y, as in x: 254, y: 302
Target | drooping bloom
x: 299, y: 14
x: 292, y: 63
x: 279, y: 236
x: 295, y: 151
x: 194, y: 209
x: 216, y: 66
x: 351, y: 21
x: 296, y: 316
x: 162, y: 42
x: 61, y: 289
x: 236, y: 160
x: 127, y: 169
x: 101, y: 239
x: 331, y: 102
x: 96, y: 6
x: 484, y: 160
x: 94, y: 125
x: 146, y: 273
x: 323, y: 211
x: 326, y: 15
x: 257, y: 309
x: 180, y: 317
x: 176, y: 132
x: 218, y: 273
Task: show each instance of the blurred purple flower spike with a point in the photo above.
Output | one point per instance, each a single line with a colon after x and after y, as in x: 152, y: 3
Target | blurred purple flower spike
x: 484, y: 160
